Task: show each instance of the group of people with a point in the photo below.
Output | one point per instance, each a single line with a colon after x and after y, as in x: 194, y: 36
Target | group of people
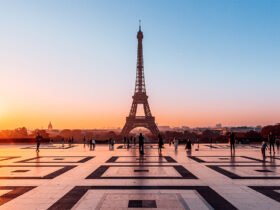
x: 90, y: 142
x: 127, y: 141
x: 271, y: 141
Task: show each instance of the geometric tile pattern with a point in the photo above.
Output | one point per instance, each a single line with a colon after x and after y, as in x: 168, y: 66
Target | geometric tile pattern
x: 134, y: 172
x: 57, y: 159
x: 137, y: 159
x: 46, y: 146
x: 80, y: 178
x: 33, y: 171
x: 269, y: 191
x: 248, y: 171
x: 209, y: 196
x: 3, y: 158
x: 225, y: 159
x: 12, y: 192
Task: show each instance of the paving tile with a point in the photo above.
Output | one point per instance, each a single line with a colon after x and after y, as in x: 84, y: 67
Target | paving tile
x: 77, y: 178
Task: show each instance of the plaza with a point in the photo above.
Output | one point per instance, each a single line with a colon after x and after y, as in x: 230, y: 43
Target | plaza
x: 75, y: 177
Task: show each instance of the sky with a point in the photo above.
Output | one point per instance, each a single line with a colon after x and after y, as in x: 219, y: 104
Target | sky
x: 74, y: 62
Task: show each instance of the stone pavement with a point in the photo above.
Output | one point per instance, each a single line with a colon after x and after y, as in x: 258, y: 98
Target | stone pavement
x: 74, y: 177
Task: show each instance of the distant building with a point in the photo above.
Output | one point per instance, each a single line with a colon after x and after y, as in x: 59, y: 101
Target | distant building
x: 186, y: 128
x: 50, y: 127
x: 219, y: 125
x: 242, y: 129
x: 164, y: 128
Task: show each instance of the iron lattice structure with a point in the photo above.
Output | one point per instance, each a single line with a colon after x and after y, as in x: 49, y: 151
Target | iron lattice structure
x: 140, y: 98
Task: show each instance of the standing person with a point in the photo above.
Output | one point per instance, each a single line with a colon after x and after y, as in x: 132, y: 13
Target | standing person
x: 189, y: 145
x: 232, y: 142
x: 160, y: 143
x: 128, y: 142
x: 38, y: 142
x: 112, y: 144
x: 263, y: 148
x: 131, y: 140
x: 84, y: 141
x: 124, y: 142
x: 93, y: 144
x: 90, y: 144
x: 176, y: 143
x: 134, y: 141
x: 271, y: 140
x: 197, y: 141
x: 62, y: 141
x: 277, y: 143
x: 141, y: 144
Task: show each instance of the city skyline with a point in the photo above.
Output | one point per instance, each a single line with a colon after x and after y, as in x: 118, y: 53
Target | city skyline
x: 216, y: 63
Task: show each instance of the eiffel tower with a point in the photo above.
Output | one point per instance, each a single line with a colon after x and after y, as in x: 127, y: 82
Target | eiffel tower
x: 140, y: 97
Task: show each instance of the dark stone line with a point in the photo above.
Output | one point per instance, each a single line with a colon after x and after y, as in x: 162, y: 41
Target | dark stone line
x: 68, y: 201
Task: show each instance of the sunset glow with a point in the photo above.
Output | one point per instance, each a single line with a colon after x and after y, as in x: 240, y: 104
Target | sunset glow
x: 76, y: 66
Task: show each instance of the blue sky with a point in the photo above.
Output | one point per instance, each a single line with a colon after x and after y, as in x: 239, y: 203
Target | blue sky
x: 74, y: 62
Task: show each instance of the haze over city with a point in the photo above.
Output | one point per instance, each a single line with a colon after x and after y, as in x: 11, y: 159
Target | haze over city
x: 74, y: 62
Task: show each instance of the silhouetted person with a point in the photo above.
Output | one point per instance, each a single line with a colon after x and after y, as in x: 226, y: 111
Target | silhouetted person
x: 128, y: 142
x: 277, y: 143
x: 63, y: 142
x: 197, y: 141
x: 188, y: 145
x: 263, y: 148
x: 90, y: 144
x: 232, y: 142
x: 131, y: 140
x: 38, y: 142
x: 124, y: 141
x: 84, y: 141
x: 93, y: 144
x: 134, y: 141
x: 69, y: 142
x: 271, y: 141
x: 160, y: 144
x: 141, y: 144
x: 176, y: 143
x: 111, y: 144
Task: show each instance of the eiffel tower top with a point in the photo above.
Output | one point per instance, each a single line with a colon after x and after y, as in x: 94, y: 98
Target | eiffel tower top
x: 140, y: 86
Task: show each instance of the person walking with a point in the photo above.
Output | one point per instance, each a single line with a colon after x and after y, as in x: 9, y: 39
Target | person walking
x: 38, y: 142
x: 176, y: 143
x: 141, y: 144
x: 271, y: 140
x: 263, y: 148
x: 232, y: 143
x: 160, y: 144
x: 93, y: 143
